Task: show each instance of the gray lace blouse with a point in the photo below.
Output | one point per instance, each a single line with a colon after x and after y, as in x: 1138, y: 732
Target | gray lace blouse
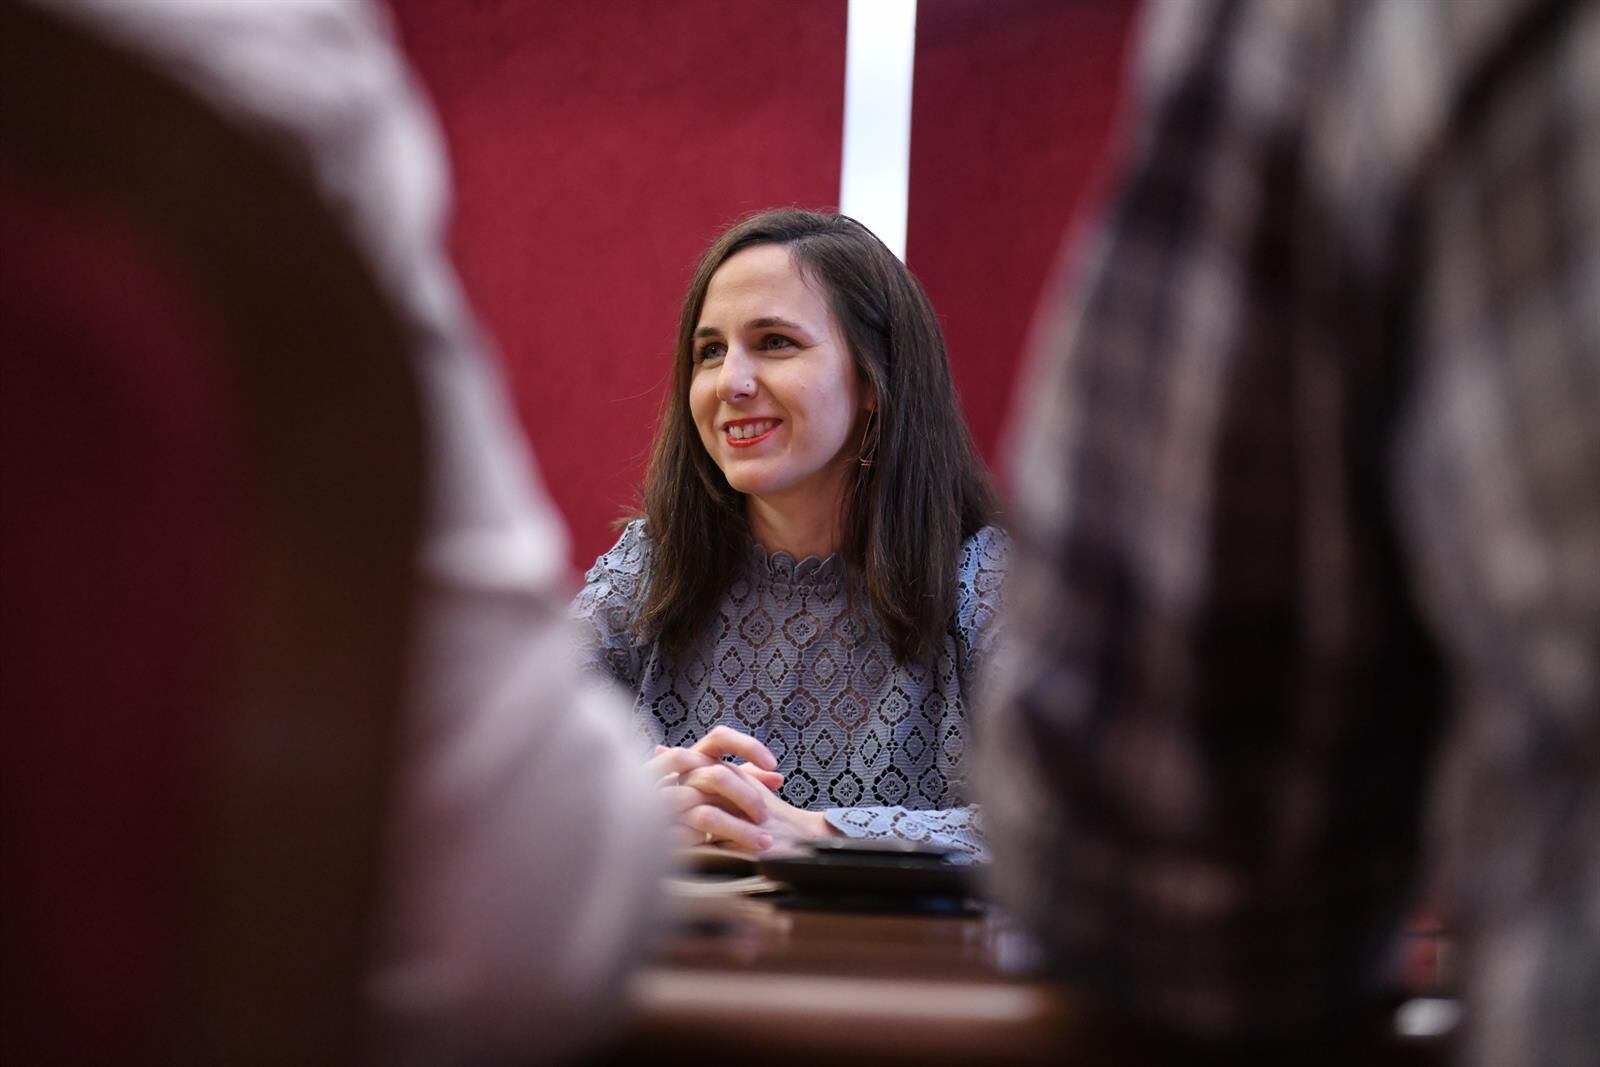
x: 878, y: 746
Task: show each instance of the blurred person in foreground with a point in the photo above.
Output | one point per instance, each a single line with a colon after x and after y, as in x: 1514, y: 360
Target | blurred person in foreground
x: 1307, y: 588
x: 508, y: 923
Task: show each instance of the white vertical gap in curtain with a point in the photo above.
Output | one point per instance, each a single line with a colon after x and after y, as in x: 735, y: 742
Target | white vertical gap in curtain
x: 875, y: 176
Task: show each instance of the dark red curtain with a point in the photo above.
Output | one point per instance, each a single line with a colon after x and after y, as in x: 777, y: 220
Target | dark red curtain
x: 1013, y: 109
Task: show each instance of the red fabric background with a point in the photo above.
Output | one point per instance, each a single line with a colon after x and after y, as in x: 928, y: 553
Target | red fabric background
x: 1012, y: 111
x: 597, y: 149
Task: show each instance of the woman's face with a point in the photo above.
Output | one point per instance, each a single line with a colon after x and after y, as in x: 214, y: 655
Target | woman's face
x: 774, y: 392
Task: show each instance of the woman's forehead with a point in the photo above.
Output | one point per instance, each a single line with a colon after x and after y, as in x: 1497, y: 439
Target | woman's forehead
x: 757, y: 282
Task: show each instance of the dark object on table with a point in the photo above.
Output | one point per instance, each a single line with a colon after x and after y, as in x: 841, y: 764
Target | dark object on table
x: 856, y: 875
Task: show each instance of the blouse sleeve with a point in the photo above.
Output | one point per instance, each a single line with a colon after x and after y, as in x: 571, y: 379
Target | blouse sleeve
x: 609, y: 603
x: 958, y: 829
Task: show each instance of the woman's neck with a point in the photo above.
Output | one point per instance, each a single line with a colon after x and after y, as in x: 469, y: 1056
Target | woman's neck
x: 801, y: 532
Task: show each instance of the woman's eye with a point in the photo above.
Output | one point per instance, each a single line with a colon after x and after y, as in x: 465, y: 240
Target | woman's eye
x: 773, y: 341
x: 710, y: 353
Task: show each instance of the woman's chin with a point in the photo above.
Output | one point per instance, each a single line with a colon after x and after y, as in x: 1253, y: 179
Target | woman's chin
x: 748, y: 482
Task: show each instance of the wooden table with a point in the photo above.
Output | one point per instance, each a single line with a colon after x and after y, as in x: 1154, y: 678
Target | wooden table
x: 744, y: 981
x: 787, y: 986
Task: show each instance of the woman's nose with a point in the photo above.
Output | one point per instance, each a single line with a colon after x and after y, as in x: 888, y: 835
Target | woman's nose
x: 737, y: 379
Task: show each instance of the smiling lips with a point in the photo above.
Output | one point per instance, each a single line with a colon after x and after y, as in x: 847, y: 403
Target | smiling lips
x: 742, y: 433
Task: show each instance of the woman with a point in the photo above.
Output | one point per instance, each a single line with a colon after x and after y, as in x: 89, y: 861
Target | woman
x: 814, y: 581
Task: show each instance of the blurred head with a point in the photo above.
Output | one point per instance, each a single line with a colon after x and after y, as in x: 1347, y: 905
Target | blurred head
x: 796, y: 326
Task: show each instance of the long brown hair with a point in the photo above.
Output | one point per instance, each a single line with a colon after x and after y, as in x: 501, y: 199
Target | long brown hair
x: 905, y: 516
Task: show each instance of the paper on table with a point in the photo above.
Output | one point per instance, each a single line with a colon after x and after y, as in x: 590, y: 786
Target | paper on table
x: 708, y: 871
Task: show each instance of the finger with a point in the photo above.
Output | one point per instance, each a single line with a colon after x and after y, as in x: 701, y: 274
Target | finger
x: 676, y: 761
x: 729, y: 830
x: 676, y: 800
x: 723, y: 781
x: 726, y: 741
x: 772, y: 780
x: 682, y: 836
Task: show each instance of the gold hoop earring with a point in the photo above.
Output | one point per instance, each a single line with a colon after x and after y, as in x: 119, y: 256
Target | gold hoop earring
x: 865, y: 454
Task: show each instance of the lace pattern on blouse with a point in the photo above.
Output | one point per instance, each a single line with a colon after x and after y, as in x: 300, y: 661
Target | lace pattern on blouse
x: 880, y: 747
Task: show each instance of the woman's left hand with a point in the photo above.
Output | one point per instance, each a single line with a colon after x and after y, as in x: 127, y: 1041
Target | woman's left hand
x: 790, y: 827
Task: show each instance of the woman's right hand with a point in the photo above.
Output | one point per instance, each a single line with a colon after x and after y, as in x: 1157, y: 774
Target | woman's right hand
x: 711, y: 802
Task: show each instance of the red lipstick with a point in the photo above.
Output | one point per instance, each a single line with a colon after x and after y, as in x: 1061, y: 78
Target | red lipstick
x: 747, y: 442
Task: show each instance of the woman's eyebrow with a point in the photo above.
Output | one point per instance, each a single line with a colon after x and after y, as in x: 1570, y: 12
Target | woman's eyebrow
x: 767, y: 322
x: 771, y: 322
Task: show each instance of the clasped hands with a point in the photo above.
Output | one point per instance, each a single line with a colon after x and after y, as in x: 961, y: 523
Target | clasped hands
x: 732, y: 805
